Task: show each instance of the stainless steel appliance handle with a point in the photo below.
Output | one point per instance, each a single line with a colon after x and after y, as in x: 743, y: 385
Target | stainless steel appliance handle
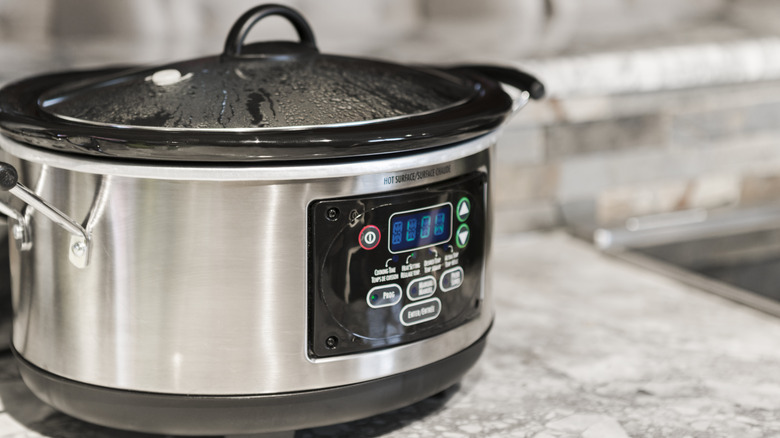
x: 79, y: 242
x: 11, y: 212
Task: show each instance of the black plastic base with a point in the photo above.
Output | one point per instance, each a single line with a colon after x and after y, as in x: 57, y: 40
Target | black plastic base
x: 227, y: 415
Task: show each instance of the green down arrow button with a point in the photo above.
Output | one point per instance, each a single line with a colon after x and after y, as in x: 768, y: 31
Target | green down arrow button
x: 462, y: 236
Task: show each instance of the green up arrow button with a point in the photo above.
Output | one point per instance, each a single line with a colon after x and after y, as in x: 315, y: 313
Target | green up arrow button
x: 464, y: 209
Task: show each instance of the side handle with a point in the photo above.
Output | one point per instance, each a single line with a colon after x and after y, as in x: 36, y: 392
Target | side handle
x: 511, y: 76
x: 527, y: 84
x: 79, y: 241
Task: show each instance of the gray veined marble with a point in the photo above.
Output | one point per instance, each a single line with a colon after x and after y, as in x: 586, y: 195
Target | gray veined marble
x: 584, y: 345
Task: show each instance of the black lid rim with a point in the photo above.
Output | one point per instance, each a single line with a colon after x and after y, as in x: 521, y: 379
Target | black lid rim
x: 23, y: 120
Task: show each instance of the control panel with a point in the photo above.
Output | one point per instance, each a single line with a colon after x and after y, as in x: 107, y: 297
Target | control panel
x: 389, y: 269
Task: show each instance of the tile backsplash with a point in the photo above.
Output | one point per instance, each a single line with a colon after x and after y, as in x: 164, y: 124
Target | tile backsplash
x: 654, y: 105
x: 703, y: 147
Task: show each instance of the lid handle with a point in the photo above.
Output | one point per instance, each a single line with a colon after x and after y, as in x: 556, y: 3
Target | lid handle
x: 242, y: 26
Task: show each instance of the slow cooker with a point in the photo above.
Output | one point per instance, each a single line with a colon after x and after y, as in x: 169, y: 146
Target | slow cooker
x: 263, y: 240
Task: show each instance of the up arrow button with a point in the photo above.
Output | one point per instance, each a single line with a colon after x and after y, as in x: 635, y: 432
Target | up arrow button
x: 462, y: 236
x: 464, y: 209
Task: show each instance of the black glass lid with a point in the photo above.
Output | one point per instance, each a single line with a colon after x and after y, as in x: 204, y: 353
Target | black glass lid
x: 230, y: 93
x: 260, y: 102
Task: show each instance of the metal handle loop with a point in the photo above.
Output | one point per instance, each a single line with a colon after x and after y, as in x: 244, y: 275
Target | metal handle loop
x: 242, y: 26
x: 80, y: 237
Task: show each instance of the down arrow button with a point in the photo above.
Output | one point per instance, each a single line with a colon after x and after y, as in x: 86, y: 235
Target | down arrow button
x: 462, y: 236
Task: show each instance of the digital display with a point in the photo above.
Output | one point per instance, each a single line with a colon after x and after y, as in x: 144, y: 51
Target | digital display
x: 415, y: 229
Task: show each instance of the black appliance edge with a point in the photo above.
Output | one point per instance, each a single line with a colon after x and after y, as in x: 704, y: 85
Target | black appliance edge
x: 225, y: 415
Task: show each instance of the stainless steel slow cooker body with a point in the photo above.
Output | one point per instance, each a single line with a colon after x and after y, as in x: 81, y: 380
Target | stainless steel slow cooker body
x: 199, y: 250
x: 196, y: 286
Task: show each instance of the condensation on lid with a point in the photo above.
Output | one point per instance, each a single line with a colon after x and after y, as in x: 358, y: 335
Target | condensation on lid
x: 234, y: 93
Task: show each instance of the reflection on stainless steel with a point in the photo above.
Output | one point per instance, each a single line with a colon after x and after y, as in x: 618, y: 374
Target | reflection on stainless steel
x: 78, y: 253
x: 167, y: 171
x: 734, y: 254
x: 693, y: 216
x: 195, y: 277
x: 11, y: 212
x: 99, y: 204
x: 53, y: 213
x: 685, y: 226
x: 6, y: 312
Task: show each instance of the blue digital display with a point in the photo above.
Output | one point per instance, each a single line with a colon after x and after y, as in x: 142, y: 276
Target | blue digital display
x: 415, y: 229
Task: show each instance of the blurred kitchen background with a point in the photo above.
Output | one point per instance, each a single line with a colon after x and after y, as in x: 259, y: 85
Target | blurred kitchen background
x: 654, y: 105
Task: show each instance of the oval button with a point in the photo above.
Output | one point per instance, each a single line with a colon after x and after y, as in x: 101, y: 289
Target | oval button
x: 451, y: 279
x: 420, y: 312
x: 384, y: 296
x: 421, y: 288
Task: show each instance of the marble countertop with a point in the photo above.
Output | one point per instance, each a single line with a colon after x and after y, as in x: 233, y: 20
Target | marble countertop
x: 584, y: 345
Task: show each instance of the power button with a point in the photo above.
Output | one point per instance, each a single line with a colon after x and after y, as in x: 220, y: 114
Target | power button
x: 369, y: 237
